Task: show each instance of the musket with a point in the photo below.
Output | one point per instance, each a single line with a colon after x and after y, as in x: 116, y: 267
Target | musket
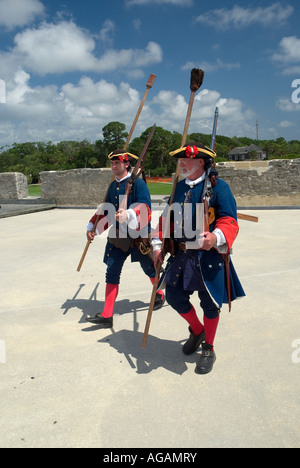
x: 213, y: 143
x: 207, y: 183
x: 207, y: 188
x: 144, y: 248
x: 138, y: 168
x: 197, y: 76
x: 149, y: 85
x: 213, y: 146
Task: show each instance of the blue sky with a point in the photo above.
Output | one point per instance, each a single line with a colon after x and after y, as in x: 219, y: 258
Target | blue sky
x: 70, y: 67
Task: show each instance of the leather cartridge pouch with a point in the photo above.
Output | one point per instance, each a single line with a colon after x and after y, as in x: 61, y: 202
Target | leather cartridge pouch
x: 122, y: 243
x: 125, y: 243
x: 144, y: 245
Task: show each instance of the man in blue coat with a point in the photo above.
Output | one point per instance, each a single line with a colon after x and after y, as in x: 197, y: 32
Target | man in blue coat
x: 133, y: 218
x: 200, y: 259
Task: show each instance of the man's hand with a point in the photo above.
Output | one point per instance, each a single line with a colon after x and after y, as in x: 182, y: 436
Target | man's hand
x: 90, y: 235
x: 209, y: 240
x: 157, y: 257
x: 121, y: 216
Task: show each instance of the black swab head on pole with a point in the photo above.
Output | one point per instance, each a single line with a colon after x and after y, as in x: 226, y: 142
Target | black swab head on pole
x: 197, y: 76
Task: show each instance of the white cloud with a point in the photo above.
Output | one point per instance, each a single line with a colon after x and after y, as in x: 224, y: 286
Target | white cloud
x: 137, y: 23
x: 289, y: 50
x: 55, y: 48
x: 74, y: 111
x: 2, y: 92
x: 288, y: 55
x: 211, y: 67
x: 131, y: 58
x: 234, y: 118
x: 17, y: 94
x: 80, y: 111
x: 106, y: 32
x: 64, y: 47
x: 287, y: 105
x: 286, y: 124
x: 16, y: 13
x: 240, y: 17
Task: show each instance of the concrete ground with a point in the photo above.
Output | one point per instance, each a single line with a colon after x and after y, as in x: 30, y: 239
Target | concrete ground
x: 27, y: 205
x: 65, y: 383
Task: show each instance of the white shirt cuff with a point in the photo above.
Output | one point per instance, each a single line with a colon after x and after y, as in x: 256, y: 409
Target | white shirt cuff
x: 132, y: 219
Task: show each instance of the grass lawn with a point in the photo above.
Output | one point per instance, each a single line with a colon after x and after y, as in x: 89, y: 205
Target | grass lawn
x: 34, y: 190
x: 159, y: 188
x: 154, y: 188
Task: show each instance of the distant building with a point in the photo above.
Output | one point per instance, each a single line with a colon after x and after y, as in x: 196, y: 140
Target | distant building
x: 245, y: 153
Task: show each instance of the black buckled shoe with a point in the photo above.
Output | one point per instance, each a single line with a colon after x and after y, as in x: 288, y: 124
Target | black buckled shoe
x: 101, y: 321
x: 159, y: 301
x: 206, y: 360
x: 193, y: 343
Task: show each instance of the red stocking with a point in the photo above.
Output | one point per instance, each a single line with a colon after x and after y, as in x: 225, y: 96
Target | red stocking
x: 210, y: 326
x: 192, y: 319
x: 111, y: 294
x: 158, y: 292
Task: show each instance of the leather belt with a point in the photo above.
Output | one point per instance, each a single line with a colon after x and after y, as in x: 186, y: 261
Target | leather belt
x: 182, y: 246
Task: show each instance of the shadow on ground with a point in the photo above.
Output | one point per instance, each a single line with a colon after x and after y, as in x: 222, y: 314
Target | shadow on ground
x: 157, y: 353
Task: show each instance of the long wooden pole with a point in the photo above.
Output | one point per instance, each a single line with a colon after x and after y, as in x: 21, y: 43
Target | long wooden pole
x: 194, y: 87
x: 149, y: 85
x: 254, y: 219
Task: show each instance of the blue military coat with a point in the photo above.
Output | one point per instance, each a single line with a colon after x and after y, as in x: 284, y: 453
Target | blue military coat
x: 205, y: 269
x: 139, y: 195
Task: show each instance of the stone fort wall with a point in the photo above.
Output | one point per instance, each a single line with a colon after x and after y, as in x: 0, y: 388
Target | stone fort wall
x: 259, y: 183
x: 13, y: 186
x: 76, y: 187
x: 253, y: 183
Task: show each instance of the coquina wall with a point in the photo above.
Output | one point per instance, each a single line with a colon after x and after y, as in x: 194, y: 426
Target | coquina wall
x: 13, y: 186
x: 253, y: 183
x: 260, y: 183
x: 77, y: 187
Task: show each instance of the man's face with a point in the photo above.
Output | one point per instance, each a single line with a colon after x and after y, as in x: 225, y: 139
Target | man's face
x: 119, y: 168
x: 191, y: 168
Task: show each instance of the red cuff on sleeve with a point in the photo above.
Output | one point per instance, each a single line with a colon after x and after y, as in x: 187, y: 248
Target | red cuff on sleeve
x: 230, y: 229
x: 102, y: 225
x: 143, y: 214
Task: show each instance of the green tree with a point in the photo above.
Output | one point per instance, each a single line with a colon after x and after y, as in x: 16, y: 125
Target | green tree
x: 158, y: 160
x: 31, y: 158
x: 114, y: 136
x: 101, y: 153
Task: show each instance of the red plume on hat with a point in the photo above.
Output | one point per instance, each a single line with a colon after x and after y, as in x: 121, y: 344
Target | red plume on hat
x: 191, y: 151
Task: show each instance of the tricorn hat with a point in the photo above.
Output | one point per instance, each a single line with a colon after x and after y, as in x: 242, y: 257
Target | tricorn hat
x: 122, y: 155
x: 194, y: 151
